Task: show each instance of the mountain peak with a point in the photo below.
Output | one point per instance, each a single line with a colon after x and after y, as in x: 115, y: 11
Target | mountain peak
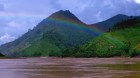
x: 121, y: 15
x: 63, y: 11
x: 64, y: 14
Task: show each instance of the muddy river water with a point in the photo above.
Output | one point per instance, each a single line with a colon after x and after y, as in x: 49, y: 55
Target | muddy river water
x: 70, y: 68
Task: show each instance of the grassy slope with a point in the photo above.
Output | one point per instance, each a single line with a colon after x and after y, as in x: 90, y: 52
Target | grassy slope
x: 54, y: 41
x: 115, y: 42
x: 129, y: 34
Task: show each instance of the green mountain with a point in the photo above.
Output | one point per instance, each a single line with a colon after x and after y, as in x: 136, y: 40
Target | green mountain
x: 59, y: 31
x: 122, y: 40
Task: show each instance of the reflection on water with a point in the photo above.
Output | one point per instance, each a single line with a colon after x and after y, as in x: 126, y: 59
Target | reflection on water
x: 70, y: 68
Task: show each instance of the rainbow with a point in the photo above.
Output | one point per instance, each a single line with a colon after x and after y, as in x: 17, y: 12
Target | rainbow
x: 89, y: 29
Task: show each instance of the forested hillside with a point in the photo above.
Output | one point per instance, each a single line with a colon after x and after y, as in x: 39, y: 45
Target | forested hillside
x: 122, y: 40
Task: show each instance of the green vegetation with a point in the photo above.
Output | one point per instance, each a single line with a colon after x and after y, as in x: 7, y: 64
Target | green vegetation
x: 123, y: 40
x: 53, y: 42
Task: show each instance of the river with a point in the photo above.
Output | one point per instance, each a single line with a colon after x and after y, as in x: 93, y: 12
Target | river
x: 70, y: 68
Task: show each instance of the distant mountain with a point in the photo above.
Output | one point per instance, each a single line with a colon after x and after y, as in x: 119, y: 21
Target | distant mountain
x: 59, y: 31
x: 108, y: 24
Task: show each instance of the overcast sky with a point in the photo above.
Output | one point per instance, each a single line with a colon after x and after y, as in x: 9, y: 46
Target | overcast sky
x: 17, y: 16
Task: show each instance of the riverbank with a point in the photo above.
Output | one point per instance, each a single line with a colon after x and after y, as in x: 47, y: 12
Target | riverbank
x: 66, y: 57
x: 4, y: 57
